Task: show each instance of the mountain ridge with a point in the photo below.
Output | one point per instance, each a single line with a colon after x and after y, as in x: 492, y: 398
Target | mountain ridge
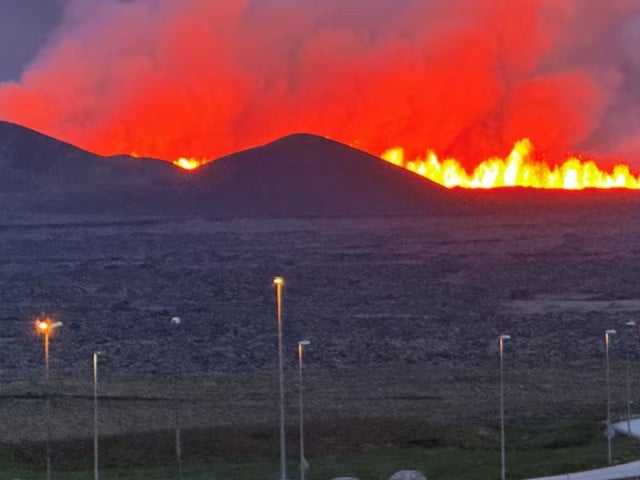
x: 299, y: 175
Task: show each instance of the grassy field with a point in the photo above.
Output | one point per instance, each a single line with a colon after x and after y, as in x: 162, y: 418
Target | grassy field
x: 364, y: 449
x: 448, y: 430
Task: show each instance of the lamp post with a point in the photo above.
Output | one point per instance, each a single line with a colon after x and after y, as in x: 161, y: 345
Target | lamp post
x: 632, y: 326
x: 503, y: 471
x: 95, y: 415
x: 176, y: 322
x: 278, y: 282
x: 303, y: 461
x: 607, y: 341
x: 45, y: 326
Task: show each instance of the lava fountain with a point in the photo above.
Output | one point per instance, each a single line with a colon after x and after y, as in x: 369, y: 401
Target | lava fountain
x: 518, y: 169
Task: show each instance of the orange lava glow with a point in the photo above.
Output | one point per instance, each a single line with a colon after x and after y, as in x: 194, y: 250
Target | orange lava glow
x: 182, y: 162
x: 518, y: 169
x: 190, y: 163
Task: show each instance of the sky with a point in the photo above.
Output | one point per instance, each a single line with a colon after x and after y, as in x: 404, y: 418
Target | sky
x: 25, y: 26
x: 204, y: 78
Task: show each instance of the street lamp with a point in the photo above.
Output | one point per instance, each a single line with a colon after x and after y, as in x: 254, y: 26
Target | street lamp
x: 501, y: 340
x: 175, y: 321
x: 607, y: 341
x: 303, y: 461
x: 45, y: 326
x: 278, y: 282
x: 95, y: 414
x: 632, y: 326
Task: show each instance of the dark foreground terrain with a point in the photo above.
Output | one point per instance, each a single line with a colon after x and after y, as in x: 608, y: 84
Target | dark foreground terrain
x: 403, y: 316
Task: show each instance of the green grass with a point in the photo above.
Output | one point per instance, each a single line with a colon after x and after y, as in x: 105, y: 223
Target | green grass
x: 367, y: 450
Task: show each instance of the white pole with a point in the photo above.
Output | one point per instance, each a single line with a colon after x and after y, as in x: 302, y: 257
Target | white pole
x: 502, y: 448
x: 278, y: 282
x: 631, y: 324
x: 45, y: 326
x: 95, y: 416
x: 607, y: 341
x: 176, y: 419
x: 628, y: 395
x: 303, y: 461
x: 503, y: 455
x: 47, y: 406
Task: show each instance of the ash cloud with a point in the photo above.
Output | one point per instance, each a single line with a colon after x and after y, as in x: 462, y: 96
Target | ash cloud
x: 466, y: 78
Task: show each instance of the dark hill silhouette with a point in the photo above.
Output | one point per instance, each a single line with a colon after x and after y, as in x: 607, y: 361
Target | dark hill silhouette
x: 23, y: 149
x: 41, y: 173
x: 306, y: 175
x: 297, y: 176
x: 32, y: 153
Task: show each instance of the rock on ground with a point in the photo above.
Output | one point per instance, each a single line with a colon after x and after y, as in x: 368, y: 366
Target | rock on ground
x: 408, y: 475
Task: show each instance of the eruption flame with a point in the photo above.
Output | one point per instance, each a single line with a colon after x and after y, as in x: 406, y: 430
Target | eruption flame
x: 186, y: 163
x: 190, y: 163
x: 518, y: 169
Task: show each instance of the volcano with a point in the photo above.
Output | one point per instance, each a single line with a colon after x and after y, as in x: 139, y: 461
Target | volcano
x: 299, y: 175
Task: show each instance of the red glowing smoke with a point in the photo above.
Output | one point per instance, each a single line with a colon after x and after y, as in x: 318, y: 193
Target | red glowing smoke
x: 203, y: 78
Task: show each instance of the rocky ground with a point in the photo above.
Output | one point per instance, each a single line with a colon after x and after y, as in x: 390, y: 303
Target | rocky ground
x: 402, y: 314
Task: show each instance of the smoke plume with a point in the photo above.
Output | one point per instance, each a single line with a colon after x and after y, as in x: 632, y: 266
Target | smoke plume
x: 466, y: 78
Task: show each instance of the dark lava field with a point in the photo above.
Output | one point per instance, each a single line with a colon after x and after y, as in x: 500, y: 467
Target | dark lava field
x: 403, y: 316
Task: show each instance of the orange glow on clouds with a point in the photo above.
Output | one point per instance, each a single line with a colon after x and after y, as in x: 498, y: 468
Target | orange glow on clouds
x: 189, y: 80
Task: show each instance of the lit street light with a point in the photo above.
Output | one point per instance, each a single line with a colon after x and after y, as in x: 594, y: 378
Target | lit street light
x: 95, y: 414
x: 632, y: 326
x: 175, y: 321
x: 45, y: 326
x: 503, y: 459
x: 609, y: 432
x: 303, y: 461
x: 278, y: 282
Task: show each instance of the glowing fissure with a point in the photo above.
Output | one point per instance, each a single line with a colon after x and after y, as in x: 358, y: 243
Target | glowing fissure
x: 186, y: 163
x: 190, y: 163
x: 518, y: 169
